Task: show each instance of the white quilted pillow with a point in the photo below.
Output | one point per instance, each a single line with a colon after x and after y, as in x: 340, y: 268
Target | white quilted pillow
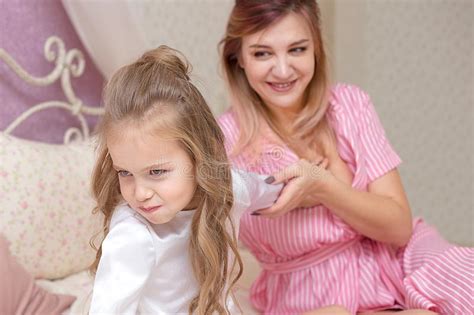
x: 45, y: 205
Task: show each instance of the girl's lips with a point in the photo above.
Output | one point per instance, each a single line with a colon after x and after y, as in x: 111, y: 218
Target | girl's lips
x: 281, y: 87
x: 150, y: 209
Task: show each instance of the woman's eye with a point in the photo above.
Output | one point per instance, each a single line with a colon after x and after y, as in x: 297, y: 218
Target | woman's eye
x: 158, y: 172
x: 123, y: 173
x: 298, y: 49
x: 260, y: 54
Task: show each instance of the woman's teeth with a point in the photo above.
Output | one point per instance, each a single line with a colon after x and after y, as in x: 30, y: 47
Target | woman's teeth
x: 282, y: 85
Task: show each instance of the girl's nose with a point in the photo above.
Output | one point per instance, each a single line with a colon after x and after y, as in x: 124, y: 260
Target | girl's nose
x: 142, y: 192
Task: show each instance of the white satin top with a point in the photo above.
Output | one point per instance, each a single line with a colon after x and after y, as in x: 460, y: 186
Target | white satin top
x: 145, y: 268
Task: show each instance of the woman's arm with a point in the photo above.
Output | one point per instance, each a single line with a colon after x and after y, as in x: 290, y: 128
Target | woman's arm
x: 382, y: 213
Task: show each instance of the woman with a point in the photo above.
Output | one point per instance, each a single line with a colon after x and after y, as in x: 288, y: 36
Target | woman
x: 350, y: 239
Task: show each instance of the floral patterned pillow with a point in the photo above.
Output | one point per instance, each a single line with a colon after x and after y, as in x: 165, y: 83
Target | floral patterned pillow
x: 45, y: 205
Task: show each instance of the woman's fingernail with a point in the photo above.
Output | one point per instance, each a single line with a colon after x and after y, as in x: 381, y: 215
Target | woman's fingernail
x: 269, y: 179
x: 255, y: 213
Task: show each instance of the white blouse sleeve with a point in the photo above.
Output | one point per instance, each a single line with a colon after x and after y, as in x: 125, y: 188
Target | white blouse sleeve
x: 127, y: 260
x: 251, y: 192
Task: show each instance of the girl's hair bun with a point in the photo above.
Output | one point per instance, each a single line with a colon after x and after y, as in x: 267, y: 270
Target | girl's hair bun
x: 171, y: 59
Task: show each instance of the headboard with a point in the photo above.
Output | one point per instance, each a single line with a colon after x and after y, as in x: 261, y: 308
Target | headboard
x: 45, y: 200
x: 67, y: 63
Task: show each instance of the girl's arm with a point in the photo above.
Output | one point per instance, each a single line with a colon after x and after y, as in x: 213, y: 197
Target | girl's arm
x: 252, y: 192
x: 128, y: 257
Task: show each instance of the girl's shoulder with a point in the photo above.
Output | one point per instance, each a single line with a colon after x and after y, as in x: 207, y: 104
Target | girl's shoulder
x: 124, y: 215
x: 128, y: 233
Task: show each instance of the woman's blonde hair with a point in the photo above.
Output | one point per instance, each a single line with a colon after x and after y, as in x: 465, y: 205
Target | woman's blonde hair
x: 156, y: 90
x: 249, y: 17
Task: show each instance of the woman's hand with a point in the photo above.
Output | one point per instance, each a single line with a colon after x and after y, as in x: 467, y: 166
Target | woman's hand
x: 302, y: 180
x: 381, y: 213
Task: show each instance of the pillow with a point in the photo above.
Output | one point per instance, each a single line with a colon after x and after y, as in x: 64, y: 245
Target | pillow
x: 18, y: 292
x: 45, y: 205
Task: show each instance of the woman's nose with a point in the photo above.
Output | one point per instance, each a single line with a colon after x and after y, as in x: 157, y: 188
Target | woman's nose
x: 282, y: 68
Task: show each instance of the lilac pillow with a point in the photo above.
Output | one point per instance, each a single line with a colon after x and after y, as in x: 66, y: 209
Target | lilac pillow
x: 19, y: 293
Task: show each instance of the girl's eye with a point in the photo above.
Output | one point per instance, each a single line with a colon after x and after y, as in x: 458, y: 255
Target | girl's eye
x: 123, y: 173
x: 298, y: 49
x: 157, y: 172
x: 260, y: 54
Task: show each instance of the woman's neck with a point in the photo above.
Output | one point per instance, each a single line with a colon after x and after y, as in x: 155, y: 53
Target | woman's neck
x: 284, y: 117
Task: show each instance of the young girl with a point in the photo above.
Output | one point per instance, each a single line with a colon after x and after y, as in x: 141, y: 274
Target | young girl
x: 170, y: 201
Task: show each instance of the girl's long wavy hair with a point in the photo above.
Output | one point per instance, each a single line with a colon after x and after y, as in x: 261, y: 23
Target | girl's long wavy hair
x: 251, y: 16
x: 156, y: 91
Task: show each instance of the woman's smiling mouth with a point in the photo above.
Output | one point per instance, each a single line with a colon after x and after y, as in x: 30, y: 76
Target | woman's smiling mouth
x: 281, y: 86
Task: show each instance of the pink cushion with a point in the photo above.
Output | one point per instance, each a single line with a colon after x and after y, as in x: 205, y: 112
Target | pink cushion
x: 18, y: 292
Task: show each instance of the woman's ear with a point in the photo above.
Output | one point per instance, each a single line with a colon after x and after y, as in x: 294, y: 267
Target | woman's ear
x: 240, y: 62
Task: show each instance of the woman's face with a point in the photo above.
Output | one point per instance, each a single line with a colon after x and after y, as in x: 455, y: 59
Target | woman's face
x: 279, y: 63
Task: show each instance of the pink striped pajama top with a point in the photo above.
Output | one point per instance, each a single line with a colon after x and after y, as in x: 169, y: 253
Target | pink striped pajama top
x: 311, y: 258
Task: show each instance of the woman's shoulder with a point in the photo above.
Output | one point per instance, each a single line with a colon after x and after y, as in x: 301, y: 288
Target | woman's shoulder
x: 230, y: 128
x: 228, y: 121
x: 347, y: 98
x: 348, y: 107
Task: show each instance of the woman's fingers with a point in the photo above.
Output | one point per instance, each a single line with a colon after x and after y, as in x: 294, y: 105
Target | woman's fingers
x: 302, y: 168
x: 300, y: 178
x: 285, y: 174
x: 298, y: 169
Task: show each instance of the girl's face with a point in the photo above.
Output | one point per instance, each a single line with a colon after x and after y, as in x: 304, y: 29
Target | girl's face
x: 279, y: 62
x: 156, y: 175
